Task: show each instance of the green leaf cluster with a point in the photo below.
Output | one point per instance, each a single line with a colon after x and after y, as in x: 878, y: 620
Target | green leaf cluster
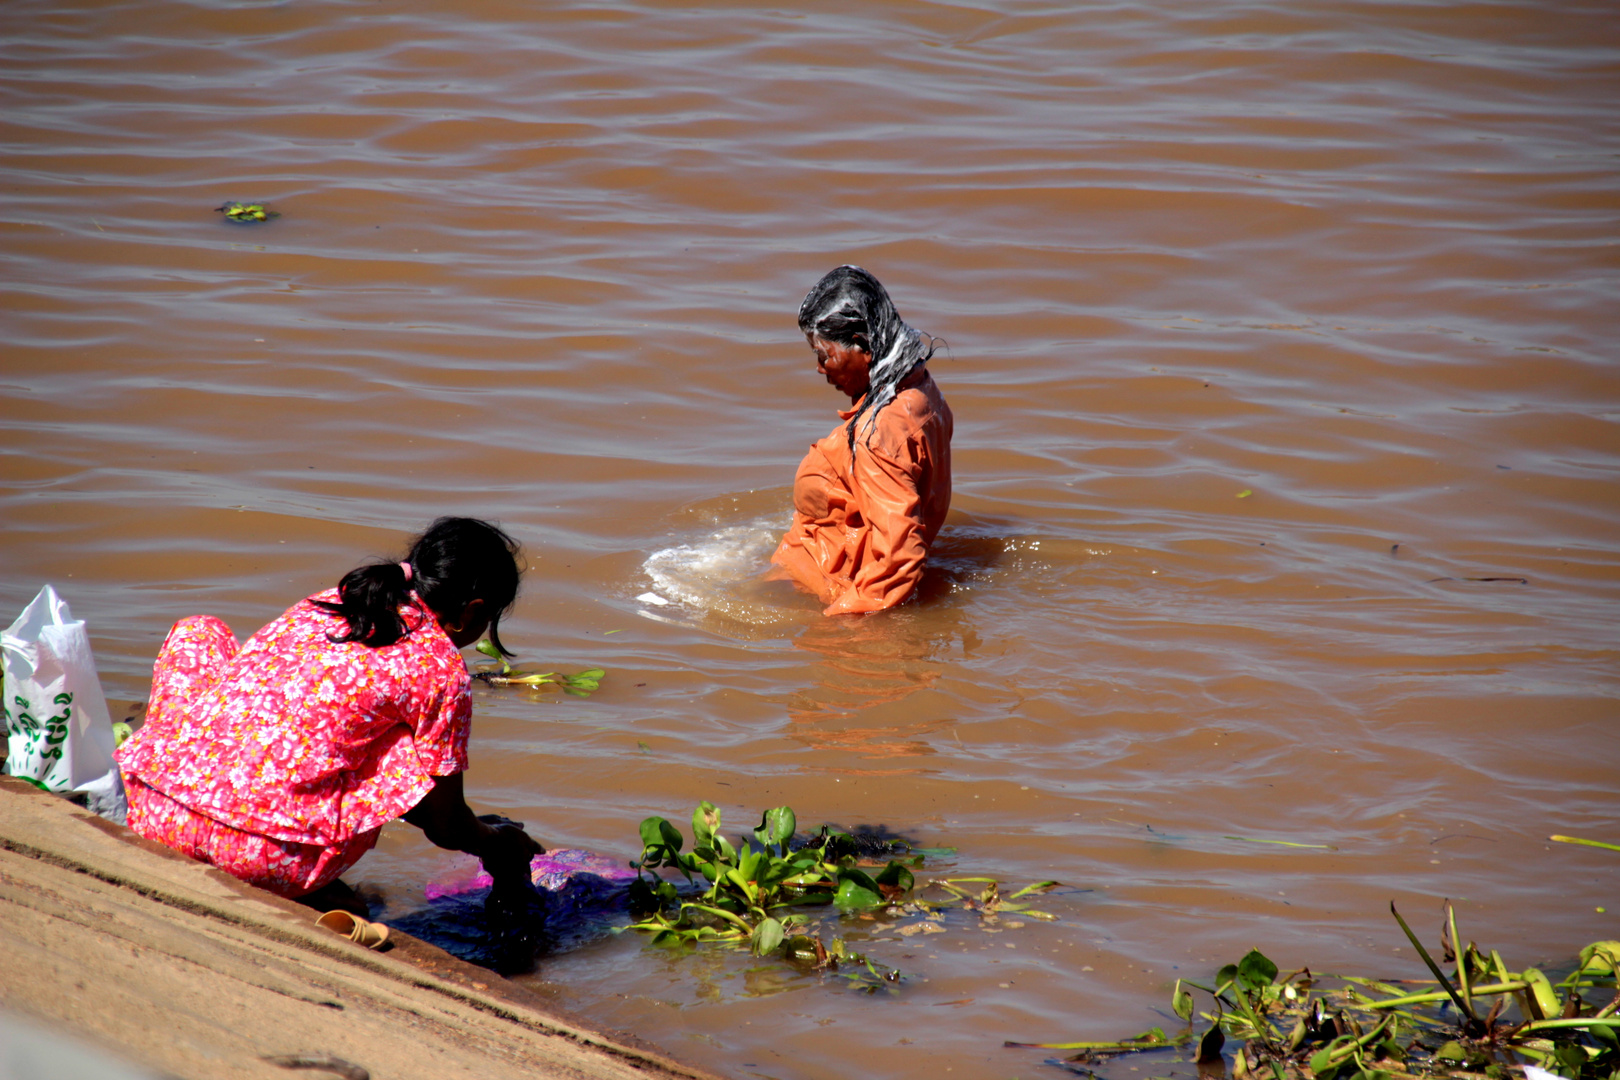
x: 749, y: 891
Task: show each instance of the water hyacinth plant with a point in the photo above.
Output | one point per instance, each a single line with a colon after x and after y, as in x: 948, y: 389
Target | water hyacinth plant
x: 750, y: 894
x: 753, y: 889
x: 1481, y: 1020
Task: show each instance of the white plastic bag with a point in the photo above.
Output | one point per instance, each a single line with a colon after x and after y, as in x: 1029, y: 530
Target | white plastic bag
x: 61, y: 736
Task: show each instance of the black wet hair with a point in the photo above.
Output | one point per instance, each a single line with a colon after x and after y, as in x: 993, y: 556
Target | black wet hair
x: 849, y: 306
x: 456, y: 561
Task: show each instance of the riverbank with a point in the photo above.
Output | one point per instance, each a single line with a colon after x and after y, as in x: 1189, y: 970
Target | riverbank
x: 176, y: 967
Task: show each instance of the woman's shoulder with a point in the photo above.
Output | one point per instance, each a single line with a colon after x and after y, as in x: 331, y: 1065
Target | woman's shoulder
x: 928, y: 388
x: 426, y: 647
x: 917, y: 417
x: 311, y: 624
x: 916, y: 404
x: 302, y: 618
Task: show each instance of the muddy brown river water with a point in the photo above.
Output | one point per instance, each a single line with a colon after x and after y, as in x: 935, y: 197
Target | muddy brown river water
x: 1282, y: 348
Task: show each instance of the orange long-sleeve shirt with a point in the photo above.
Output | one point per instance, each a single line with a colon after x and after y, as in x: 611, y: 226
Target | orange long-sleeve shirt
x: 861, y: 528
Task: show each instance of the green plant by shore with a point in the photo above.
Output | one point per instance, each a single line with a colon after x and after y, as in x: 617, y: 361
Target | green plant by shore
x: 1478, y: 1021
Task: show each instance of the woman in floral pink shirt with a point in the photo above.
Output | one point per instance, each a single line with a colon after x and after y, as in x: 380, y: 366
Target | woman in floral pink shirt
x: 280, y: 760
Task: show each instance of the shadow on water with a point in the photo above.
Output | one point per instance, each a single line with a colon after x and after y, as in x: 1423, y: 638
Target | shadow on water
x: 876, y: 843
x: 510, y: 933
x: 962, y: 555
x: 507, y: 935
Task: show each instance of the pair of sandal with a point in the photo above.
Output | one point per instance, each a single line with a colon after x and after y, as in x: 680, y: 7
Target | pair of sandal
x: 370, y: 934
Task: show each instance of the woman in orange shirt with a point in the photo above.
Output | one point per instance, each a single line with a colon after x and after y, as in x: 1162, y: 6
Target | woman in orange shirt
x: 870, y: 497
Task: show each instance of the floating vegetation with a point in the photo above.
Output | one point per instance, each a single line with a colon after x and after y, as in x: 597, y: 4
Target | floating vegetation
x: 579, y: 685
x: 246, y: 213
x: 1587, y: 843
x: 1478, y: 1021
x: 754, y: 888
x: 989, y: 902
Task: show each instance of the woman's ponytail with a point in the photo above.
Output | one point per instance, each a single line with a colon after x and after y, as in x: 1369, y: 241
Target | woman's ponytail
x: 369, y: 599
x: 456, y: 561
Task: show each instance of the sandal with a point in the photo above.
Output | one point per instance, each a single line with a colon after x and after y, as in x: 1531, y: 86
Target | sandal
x: 371, y: 935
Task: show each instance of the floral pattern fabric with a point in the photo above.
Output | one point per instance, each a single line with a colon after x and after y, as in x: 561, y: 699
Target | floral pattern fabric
x: 296, y: 738
x: 284, y: 868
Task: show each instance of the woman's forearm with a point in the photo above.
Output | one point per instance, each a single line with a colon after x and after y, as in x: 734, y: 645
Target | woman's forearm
x: 446, y: 820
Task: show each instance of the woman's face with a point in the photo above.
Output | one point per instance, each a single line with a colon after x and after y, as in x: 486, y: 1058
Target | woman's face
x: 847, y: 367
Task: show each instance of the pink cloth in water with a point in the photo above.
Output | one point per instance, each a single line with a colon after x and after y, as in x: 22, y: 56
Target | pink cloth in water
x: 558, y: 871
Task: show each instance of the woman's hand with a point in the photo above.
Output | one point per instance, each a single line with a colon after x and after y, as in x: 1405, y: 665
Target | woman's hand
x: 505, y: 850
x: 501, y: 844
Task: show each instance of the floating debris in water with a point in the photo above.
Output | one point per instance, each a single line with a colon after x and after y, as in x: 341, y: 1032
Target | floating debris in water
x: 1280, y: 843
x: 579, y: 685
x: 246, y: 213
x: 1588, y: 843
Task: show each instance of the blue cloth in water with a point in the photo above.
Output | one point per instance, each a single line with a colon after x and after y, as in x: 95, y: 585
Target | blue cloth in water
x: 581, y: 896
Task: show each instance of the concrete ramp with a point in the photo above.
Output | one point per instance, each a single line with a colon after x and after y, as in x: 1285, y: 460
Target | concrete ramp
x: 180, y: 969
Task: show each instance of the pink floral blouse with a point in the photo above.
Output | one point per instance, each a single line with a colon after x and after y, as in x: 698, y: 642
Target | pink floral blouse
x: 309, y: 741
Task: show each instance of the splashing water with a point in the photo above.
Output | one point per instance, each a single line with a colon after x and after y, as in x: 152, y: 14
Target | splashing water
x: 722, y: 574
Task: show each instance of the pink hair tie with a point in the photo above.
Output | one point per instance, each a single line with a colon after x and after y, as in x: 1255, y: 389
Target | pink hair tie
x: 405, y: 566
